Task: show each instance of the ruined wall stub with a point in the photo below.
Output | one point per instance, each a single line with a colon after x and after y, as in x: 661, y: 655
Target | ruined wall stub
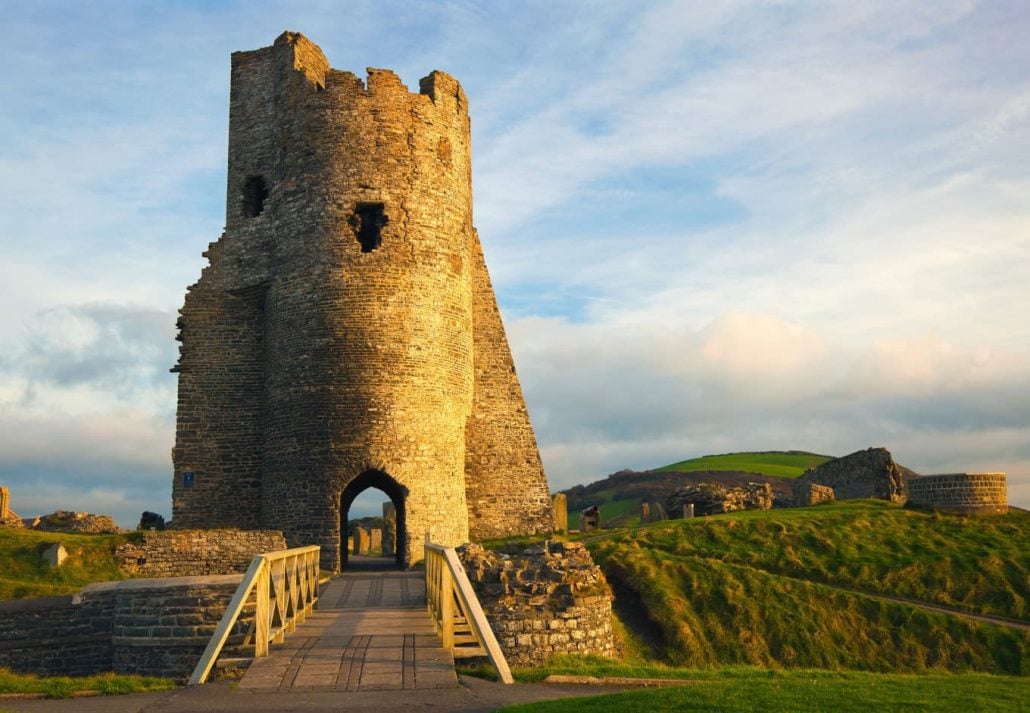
x: 561, y: 513
x: 361, y: 541
x: 345, y: 324
x: 5, y: 502
x: 389, y: 529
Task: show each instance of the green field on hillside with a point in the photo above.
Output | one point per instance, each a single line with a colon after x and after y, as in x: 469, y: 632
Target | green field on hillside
x: 24, y: 573
x: 750, y: 690
x: 765, y: 588
x: 786, y: 464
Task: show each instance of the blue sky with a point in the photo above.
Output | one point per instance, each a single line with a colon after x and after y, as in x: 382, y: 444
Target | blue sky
x: 711, y: 226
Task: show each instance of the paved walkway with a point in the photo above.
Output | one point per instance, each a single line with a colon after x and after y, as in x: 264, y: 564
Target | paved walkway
x: 370, y: 632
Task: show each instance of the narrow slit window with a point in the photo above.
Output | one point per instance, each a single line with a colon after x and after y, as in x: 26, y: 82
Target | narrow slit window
x: 255, y: 191
x: 368, y: 222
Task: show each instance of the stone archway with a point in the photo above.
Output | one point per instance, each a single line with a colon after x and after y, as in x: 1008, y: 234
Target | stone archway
x: 397, y: 493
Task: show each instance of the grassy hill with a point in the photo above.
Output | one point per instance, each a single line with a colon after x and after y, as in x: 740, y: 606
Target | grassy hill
x: 24, y: 573
x: 784, y: 464
x: 774, y: 588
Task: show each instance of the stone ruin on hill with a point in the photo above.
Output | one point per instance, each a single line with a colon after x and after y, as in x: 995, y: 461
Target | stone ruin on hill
x: 713, y: 498
x: 871, y: 473
x: 345, y: 334
x: 543, y: 600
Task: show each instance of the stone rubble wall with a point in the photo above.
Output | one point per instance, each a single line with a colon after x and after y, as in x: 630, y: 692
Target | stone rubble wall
x: 548, y: 599
x: 156, y: 627
x: 189, y: 553
x: 960, y: 492
x: 812, y: 494
x: 871, y: 473
x: 713, y: 498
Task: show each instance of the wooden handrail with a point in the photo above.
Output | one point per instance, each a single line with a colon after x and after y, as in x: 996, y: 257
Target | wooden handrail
x: 447, y: 585
x: 285, y: 583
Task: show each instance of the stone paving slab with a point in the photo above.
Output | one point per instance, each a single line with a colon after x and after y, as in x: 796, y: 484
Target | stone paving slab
x: 371, y: 632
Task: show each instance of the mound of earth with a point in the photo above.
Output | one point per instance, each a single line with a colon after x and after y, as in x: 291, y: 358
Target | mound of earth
x: 83, y: 523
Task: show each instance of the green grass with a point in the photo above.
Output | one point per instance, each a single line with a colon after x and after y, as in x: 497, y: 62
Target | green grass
x: 623, y: 512
x: 24, y: 573
x: 747, y: 589
x: 748, y: 690
x: 978, y: 564
x: 787, y: 464
x: 64, y: 686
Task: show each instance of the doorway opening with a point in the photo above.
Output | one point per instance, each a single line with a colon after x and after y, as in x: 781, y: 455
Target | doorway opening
x: 365, y: 547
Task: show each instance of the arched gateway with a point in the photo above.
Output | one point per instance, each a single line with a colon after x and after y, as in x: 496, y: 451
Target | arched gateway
x: 346, y: 322
x: 392, y: 489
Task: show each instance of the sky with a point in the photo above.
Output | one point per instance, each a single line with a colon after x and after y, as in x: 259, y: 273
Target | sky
x: 711, y: 227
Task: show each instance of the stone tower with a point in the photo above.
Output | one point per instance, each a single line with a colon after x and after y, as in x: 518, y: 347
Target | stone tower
x: 344, y: 334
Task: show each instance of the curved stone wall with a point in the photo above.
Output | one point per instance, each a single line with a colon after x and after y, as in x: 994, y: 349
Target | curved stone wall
x: 960, y: 492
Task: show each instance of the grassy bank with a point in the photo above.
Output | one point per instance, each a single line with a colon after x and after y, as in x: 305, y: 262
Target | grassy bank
x: 24, y: 573
x: 748, y: 588
x: 65, y: 686
x: 748, y: 690
x: 978, y: 564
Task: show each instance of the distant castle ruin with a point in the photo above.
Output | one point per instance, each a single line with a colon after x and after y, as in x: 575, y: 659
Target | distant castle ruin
x: 345, y: 334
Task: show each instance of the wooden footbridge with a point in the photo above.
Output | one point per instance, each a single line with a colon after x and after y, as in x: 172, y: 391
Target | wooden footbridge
x: 364, y: 630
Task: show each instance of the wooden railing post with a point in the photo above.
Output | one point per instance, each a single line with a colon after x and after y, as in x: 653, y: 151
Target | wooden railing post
x: 446, y: 592
x: 262, y: 613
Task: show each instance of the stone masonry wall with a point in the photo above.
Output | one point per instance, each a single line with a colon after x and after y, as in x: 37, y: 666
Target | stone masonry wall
x: 344, y: 330
x: 156, y: 627
x: 185, y: 553
x: 546, y: 600
x: 57, y: 635
x: 961, y: 492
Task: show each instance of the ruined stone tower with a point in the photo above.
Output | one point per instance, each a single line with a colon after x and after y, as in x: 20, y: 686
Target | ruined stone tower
x: 345, y: 333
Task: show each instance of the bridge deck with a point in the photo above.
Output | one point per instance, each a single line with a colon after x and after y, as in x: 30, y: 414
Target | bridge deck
x: 371, y: 631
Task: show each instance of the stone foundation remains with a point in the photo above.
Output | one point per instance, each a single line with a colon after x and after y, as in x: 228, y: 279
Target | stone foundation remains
x: 548, y: 599
x: 985, y: 493
x: 155, y: 627
x: 713, y: 498
x: 189, y: 553
x: 812, y: 494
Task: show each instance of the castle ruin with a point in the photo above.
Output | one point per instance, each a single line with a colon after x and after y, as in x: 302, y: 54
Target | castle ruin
x: 345, y: 334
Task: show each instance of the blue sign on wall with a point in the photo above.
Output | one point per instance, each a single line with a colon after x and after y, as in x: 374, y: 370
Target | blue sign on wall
x: 188, y: 479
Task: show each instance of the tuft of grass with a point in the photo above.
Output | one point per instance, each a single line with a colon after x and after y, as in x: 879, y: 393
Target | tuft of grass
x: 786, y: 464
x: 743, y: 690
x: 25, y: 574
x: 65, y: 686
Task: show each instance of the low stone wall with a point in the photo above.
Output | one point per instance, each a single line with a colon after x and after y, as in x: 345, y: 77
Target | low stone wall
x: 57, y: 635
x: 191, y: 553
x: 156, y: 627
x: 544, y: 600
x: 960, y: 492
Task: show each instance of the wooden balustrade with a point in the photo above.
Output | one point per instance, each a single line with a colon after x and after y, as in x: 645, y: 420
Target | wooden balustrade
x: 456, y: 611
x: 285, y: 587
